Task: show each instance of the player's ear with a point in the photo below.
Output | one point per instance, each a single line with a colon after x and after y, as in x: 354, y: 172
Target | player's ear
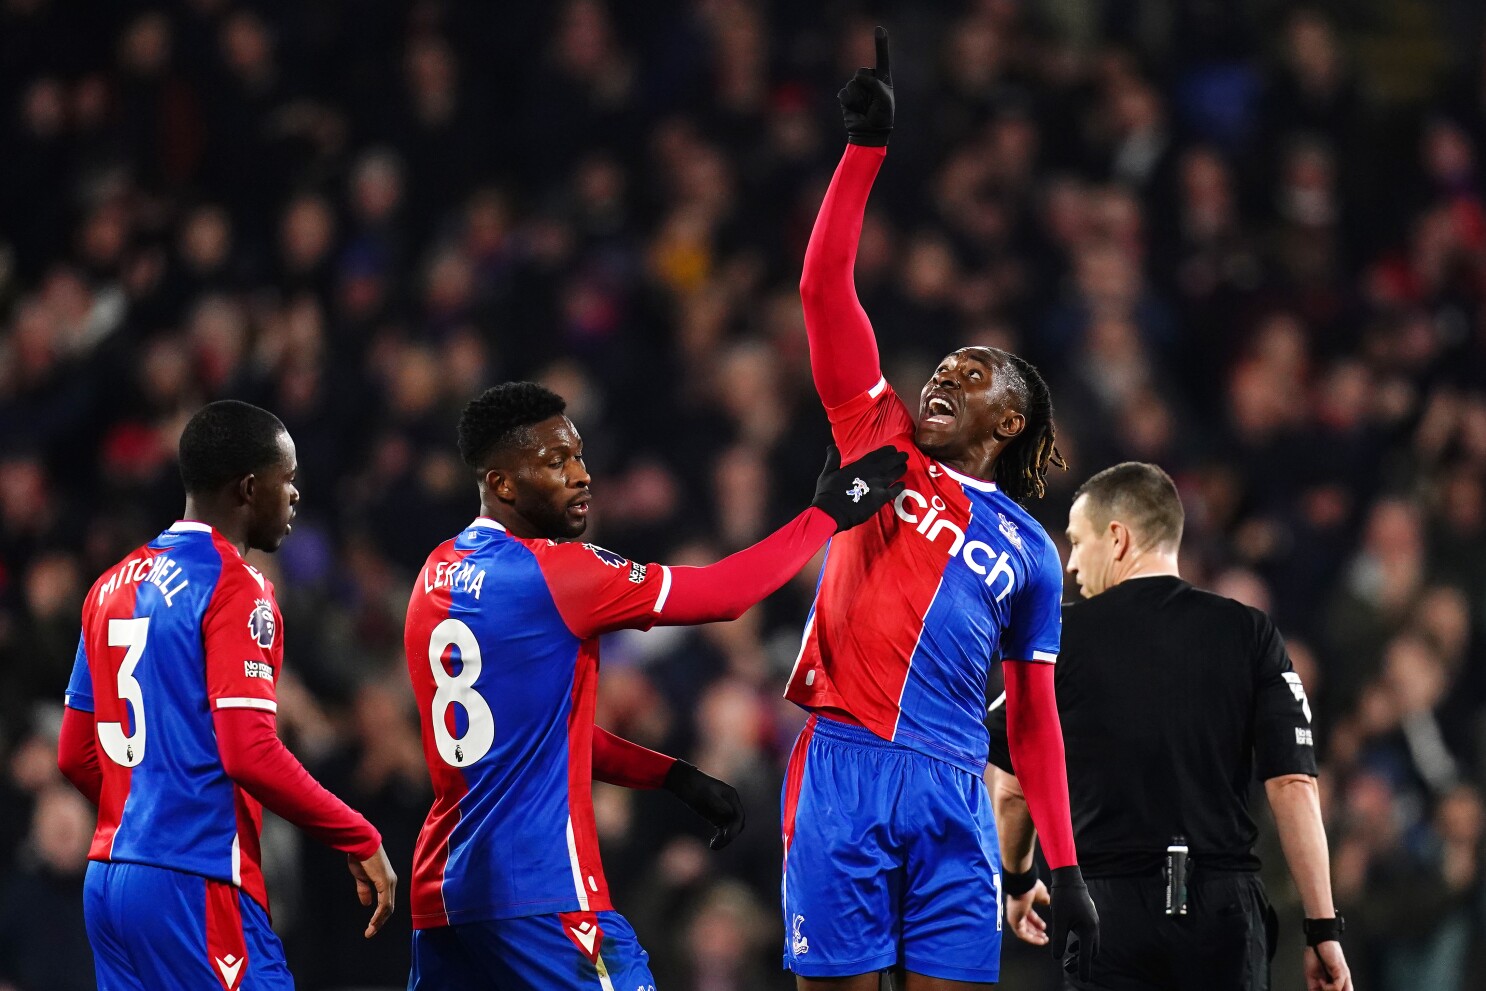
x: 247, y: 486
x: 1121, y: 536
x: 501, y: 484
x: 1011, y: 424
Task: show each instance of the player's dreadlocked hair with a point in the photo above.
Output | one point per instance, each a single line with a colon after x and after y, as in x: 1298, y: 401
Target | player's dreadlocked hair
x: 1021, y: 469
x: 226, y: 440
x: 500, y: 416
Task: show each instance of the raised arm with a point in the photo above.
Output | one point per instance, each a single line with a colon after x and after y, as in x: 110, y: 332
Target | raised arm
x: 843, y: 350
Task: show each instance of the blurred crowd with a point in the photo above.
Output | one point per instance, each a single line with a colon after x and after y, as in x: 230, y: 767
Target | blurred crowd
x: 1246, y: 241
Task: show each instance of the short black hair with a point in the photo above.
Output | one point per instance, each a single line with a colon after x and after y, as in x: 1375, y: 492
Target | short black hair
x: 501, y: 417
x: 1141, y: 496
x: 226, y: 440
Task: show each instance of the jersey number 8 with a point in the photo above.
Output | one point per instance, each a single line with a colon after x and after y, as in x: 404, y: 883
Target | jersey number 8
x: 479, y: 733
x: 127, y: 750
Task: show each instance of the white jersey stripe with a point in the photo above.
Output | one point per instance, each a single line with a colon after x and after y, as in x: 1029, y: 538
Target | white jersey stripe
x: 577, y: 869
x: 268, y: 705
x: 665, y: 588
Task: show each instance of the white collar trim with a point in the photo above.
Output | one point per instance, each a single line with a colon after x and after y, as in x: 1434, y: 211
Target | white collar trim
x: 487, y: 523
x: 182, y: 526
x: 974, y: 483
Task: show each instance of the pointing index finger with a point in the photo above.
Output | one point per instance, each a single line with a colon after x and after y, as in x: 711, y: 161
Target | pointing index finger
x: 883, y: 68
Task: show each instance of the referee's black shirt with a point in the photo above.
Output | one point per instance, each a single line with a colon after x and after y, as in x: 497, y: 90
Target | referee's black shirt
x: 1171, y: 699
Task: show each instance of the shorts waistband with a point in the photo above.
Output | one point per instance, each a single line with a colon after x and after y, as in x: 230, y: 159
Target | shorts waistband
x: 860, y: 736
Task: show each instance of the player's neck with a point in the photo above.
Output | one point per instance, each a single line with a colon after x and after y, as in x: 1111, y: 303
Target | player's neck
x: 976, y: 465
x: 202, y: 511
x: 511, y: 520
x: 1150, y: 564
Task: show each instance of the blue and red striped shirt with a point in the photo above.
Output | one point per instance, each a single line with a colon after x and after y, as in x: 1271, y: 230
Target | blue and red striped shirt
x: 181, y: 627
x: 502, y: 647
x: 915, y: 606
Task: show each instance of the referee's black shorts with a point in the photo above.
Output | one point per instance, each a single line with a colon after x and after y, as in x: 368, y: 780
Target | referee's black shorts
x: 1223, y: 943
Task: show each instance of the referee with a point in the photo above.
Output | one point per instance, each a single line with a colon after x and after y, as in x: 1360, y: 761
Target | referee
x: 1171, y: 699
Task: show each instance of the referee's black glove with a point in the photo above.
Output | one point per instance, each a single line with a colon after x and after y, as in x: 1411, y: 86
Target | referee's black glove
x: 713, y: 800
x: 853, y: 494
x: 867, y: 100
x: 1073, y: 913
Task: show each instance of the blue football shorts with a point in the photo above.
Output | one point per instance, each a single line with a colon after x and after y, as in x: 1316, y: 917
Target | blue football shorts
x: 155, y: 929
x: 890, y: 857
x: 566, y: 951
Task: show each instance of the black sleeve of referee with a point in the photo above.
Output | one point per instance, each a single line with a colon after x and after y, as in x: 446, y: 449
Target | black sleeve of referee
x: 1000, y: 754
x: 1283, y: 742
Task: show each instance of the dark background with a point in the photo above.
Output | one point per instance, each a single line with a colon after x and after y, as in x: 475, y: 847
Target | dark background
x: 1243, y: 240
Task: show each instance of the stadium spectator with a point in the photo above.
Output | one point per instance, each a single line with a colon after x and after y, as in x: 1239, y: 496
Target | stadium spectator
x: 629, y: 187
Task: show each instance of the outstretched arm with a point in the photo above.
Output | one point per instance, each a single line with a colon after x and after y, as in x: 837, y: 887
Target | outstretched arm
x: 843, y: 350
x: 844, y: 497
x: 600, y: 592
x: 729, y: 588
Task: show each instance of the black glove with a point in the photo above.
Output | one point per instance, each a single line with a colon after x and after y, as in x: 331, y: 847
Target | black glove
x: 853, y: 494
x: 1073, y: 913
x: 867, y: 101
x: 713, y: 800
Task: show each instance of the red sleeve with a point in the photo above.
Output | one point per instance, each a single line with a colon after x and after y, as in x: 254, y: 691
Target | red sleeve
x: 617, y: 761
x: 843, y: 350
x: 1035, y: 738
x: 729, y: 588
x: 597, y: 591
x: 77, y: 753
x: 255, y: 758
x: 243, y: 635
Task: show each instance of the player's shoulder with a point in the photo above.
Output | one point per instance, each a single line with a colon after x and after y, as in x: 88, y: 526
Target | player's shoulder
x: 577, y: 554
x: 1021, y: 529
x: 238, y: 577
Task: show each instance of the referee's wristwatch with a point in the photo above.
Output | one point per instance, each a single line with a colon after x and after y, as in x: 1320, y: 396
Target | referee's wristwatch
x: 1318, y: 931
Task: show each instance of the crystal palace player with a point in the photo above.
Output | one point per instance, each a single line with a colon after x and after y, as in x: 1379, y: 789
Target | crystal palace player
x: 502, y: 646
x: 181, y: 648
x: 891, y: 858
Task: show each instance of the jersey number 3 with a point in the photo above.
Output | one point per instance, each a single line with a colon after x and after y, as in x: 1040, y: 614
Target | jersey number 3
x: 127, y: 750
x: 479, y: 733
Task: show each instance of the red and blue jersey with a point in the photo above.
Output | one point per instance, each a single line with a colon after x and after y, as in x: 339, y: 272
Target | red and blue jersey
x: 502, y: 647
x: 177, y: 629
x: 914, y: 606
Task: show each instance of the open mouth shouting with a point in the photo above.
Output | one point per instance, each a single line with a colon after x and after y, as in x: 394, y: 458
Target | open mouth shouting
x: 939, y: 410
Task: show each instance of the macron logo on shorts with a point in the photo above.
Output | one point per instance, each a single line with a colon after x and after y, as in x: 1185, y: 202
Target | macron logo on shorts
x: 584, y: 930
x: 230, y: 966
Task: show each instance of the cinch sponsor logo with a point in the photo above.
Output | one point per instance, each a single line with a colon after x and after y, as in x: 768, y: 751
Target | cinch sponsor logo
x: 980, y: 557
